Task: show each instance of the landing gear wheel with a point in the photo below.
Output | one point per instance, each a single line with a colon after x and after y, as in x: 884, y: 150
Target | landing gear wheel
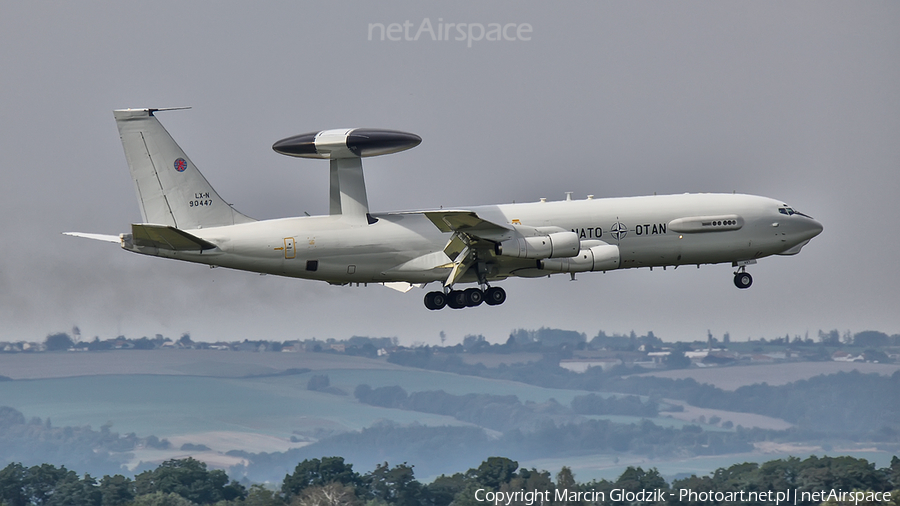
x: 456, y: 299
x: 474, y: 297
x: 495, y: 296
x: 435, y: 300
x: 743, y: 280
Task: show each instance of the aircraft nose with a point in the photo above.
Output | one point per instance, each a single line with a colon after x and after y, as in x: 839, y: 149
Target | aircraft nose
x: 813, y: 228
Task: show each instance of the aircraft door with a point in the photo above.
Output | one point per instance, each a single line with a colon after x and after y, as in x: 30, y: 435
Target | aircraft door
x: 289, y: 250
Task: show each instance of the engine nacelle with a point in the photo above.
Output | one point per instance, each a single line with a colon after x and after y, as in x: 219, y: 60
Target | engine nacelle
x: 553, y: 245
x: 604, y: 257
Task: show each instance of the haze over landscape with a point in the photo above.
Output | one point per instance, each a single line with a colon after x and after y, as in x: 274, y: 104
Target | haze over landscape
x: 114, y: 363
x: 547, y: 398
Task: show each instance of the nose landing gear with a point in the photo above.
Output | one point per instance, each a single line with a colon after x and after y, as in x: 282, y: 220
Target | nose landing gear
x: 742, y: 279
x: 471, y: 297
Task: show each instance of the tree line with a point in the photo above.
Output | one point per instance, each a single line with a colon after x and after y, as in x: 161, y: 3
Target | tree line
x: 35, y: 440
x: 435, y: 449
x: 520, y: 340
x: 502, y: 412
x: 332, y: 481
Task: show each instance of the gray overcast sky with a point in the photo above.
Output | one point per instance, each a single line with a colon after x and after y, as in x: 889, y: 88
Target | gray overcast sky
x: 793, y: 100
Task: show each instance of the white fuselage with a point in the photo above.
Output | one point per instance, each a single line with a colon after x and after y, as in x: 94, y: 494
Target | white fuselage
x: 184, y: 218
x: 666, y: 230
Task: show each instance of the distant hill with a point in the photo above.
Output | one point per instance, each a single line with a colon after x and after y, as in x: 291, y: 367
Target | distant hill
x: 257, y: 412
x: 732, y: 378
x: 213, y: 363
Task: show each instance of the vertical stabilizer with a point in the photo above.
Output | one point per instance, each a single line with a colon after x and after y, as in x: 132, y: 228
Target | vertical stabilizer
x: 170, y: 189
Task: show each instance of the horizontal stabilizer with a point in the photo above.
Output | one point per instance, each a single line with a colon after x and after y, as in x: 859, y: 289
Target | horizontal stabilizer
x: 96, y: 237
x: 166, y: 237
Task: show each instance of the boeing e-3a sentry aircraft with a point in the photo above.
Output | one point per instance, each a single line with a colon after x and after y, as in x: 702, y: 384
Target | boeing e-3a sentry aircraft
x: 185, y: 219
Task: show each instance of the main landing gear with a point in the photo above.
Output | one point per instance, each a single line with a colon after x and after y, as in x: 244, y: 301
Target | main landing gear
x: 458, y: 299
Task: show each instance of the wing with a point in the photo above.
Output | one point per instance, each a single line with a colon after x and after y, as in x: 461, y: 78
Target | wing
x: 469, y: 222
x: 473, y: 237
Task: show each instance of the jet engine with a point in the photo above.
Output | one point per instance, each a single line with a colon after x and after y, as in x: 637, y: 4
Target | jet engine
x: 603, y: 257
x: 553, y: 245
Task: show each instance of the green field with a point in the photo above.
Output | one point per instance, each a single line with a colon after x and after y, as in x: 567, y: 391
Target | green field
x: 183, y: 392
x: 178, y: 405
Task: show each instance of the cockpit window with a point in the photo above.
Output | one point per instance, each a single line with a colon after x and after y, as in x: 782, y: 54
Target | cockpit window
x: 790, y: 212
